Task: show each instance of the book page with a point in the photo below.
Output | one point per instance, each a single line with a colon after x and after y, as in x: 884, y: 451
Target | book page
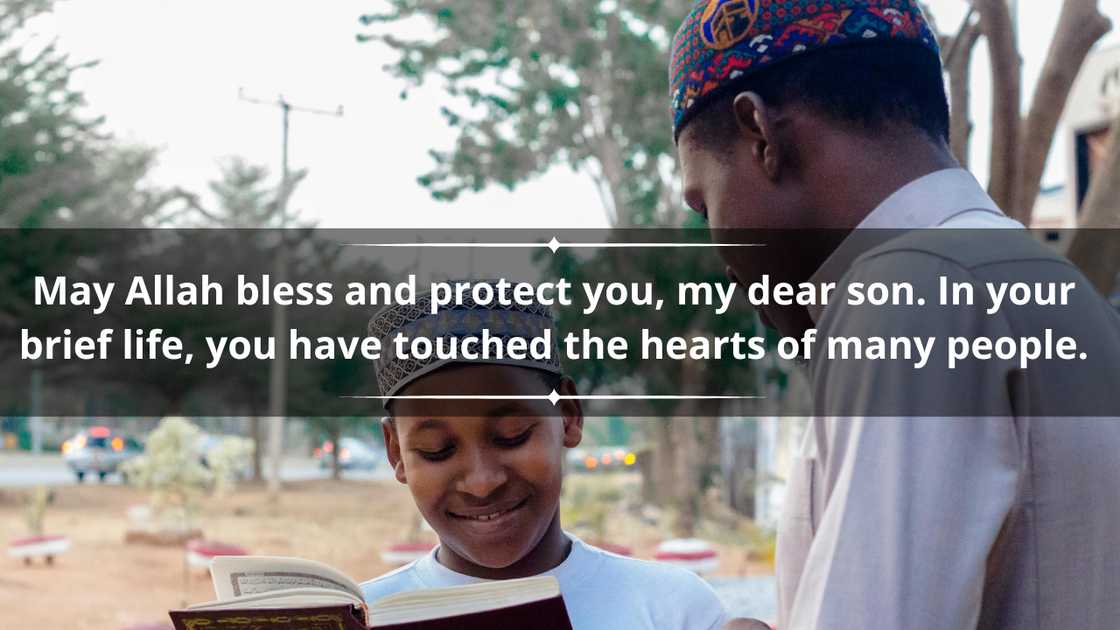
x: 438, y: 603
x: 238, y: 576
x: 293, y: 598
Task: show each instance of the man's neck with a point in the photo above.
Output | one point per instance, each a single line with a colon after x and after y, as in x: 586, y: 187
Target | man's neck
x: 849, y: 178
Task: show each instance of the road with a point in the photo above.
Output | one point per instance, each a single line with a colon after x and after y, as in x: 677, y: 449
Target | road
x: 19, y: 470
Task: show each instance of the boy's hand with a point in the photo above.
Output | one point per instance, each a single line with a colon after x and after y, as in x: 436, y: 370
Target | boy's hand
x: 745, y: 624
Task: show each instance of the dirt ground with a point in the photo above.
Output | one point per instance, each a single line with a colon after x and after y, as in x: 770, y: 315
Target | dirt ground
x: 102, y: 583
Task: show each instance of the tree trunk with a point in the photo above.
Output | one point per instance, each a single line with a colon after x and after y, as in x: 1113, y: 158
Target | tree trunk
x: 1096, y: 248
x: 258, y: 447
x: 686, y: 474
x: 335, y: 436
x: 688, y: 453
x: 276, y: 428
x: 1079, y: 27
x: 998, y: 28
x: 958, y: 64
x: 661, y: 488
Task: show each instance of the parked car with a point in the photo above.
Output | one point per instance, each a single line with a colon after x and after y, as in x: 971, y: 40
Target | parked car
x: 99, y: 451
x: 354, y: 455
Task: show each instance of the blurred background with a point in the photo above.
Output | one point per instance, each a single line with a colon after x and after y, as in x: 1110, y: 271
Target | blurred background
x: 430, y: 114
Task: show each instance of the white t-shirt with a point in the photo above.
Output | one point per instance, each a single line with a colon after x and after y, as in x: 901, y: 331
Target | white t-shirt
x: 602, y: 591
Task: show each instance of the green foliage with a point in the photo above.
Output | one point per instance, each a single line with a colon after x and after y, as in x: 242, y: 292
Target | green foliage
x: 57, y: 165
x: 43, y: 137
x: 665, y: 272
x: 533, y: 85
x: 538, y: 84
x: 247, y: 198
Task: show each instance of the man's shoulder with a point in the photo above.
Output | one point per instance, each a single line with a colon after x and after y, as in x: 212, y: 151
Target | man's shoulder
x: 967, y: 248
x: 397, y: 581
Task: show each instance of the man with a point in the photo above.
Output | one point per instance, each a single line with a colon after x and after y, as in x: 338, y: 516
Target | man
x: 827, y: 116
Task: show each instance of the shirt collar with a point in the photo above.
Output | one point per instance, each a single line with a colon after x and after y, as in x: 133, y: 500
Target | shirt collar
x: 926, y: 202
x: 571, y: 570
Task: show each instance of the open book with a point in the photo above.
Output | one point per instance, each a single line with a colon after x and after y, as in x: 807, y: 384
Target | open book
x: 289, y: 593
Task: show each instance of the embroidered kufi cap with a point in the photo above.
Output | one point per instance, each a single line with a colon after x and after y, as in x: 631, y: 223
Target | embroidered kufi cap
x: 722, y: 42
x: 455, y: 323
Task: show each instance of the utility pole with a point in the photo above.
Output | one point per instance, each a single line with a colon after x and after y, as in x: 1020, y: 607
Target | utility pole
x: 278, y: 369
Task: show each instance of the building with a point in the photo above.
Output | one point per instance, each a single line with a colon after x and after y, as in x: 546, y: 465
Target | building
x: 1093, y: 104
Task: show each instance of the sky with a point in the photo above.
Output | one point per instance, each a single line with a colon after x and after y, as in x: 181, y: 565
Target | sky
x: 170, y: 71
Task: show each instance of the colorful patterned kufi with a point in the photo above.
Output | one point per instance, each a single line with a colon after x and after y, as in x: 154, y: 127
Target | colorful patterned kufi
x: 455, y: 322
x: 723, y: 41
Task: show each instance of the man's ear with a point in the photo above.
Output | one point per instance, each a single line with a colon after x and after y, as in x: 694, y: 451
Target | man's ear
x: 572, y: 412
x: 757, y: 125
x: 393, y: 448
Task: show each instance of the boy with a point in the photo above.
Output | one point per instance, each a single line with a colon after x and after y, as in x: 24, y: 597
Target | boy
x: 486, y: 475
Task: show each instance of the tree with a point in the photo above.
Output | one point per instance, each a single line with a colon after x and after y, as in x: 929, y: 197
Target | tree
x: 540, y: 84
x: 1021, y: 143
x: 57, y: 166
x: 46, y: 144
x: 684, y: 434
x: 246, y: 200
x: 1096, y: 248
x: 580, y: 83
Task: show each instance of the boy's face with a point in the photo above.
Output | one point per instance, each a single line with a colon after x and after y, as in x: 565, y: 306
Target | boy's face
x: 485, y: 474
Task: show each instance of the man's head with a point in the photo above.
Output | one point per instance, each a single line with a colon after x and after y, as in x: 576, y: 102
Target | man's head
x: 764, y: 153
x: 485, y: 474
x: 800, y: 117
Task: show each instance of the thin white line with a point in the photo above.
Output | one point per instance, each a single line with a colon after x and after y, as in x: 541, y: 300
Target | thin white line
x: 497, y: 397
x: 560, y: 245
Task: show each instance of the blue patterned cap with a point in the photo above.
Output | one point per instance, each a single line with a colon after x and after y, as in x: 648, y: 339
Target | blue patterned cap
x: 723, y: 41
x: 456, y: 322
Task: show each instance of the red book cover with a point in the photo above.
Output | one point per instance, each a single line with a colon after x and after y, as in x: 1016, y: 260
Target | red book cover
x: 546, y: 614
x: 317, y: 618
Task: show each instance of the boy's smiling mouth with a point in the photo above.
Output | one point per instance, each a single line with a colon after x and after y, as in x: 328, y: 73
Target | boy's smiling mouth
x: 489, y: 513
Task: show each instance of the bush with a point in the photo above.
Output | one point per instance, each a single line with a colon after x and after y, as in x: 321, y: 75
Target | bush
x: 227, y: 460
x: 170, y: 469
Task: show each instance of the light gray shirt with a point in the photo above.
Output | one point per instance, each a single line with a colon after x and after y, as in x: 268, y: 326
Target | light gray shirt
x: 1009, y: 521
x: 602, y: 591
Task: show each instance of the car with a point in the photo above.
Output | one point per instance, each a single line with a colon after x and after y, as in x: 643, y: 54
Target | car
x: 354, y: 455
x: 99, y: 451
